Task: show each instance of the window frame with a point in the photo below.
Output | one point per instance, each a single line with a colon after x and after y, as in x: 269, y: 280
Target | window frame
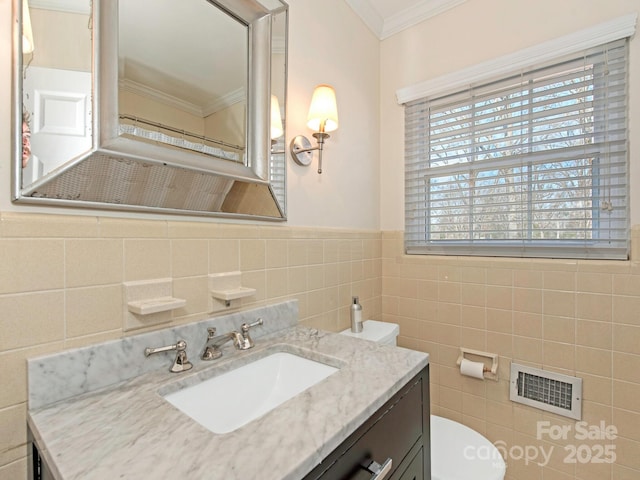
x: 580, y: 249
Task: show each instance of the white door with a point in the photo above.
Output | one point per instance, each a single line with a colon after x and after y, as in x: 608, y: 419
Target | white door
x: 59, y: 102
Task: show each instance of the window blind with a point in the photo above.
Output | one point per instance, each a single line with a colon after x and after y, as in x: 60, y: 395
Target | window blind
x: 533, y: 165
x: 278, y: 172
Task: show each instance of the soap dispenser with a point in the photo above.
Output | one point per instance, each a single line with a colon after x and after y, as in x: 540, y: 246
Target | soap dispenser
x: 356, y: 316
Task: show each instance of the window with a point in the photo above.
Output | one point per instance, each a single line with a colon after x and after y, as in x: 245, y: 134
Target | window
x: 531, y: 165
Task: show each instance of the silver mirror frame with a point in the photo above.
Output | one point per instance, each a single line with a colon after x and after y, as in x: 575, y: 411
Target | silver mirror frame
x: 16, y: 100
x: 107, y: 142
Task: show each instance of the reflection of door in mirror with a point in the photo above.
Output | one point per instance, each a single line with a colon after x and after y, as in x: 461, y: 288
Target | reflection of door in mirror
x: 183, y: 76
x: 57, y: 86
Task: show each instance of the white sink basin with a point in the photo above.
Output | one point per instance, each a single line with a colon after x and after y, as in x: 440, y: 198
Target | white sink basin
x: 225, y: 403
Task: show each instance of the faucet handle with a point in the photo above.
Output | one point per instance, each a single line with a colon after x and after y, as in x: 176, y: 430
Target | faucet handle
x: 244, y: 341
x: 211, y: 331
x: 180, y: 364
x: 245, y: 327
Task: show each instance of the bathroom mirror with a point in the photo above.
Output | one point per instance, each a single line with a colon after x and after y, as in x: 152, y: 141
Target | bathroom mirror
x: 152, y: 105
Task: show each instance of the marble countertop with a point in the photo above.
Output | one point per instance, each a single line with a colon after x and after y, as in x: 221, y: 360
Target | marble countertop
x: 129, y: 431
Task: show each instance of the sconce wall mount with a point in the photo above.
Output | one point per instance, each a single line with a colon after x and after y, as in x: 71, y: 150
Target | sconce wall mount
x: 301, y: 149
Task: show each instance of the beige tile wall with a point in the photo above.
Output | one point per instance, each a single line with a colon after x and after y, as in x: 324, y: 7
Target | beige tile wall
x: 61, y: 285
x: 580, y: 318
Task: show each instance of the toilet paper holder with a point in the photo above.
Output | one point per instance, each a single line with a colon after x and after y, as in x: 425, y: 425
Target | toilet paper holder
x: 490, y: 372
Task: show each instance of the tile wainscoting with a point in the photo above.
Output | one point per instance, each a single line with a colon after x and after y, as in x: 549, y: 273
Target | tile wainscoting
x: 575, y: 317
x: 61, y: 285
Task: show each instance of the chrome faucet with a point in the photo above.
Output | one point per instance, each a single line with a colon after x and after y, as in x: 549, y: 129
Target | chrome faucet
x: 180, y: 364
x: 241, y: 340
x: 212, y: 347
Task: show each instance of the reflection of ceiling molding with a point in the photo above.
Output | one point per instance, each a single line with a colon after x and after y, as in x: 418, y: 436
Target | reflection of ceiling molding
x: 228, y: 100
x: 198, y: 60
x: 158, y: 96
x: 70, y: 6
x: 384, y: 27
x: 231, y: 98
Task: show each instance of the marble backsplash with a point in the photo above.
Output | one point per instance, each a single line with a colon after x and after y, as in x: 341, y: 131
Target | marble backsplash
x: 63, y: 375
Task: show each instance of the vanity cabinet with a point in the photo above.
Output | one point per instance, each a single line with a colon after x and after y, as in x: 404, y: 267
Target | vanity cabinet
x: 38, y: 469
x: 106, y: 431
x: 399, y: 431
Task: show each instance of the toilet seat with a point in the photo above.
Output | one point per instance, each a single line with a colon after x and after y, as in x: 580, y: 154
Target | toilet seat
x: 460, y: 453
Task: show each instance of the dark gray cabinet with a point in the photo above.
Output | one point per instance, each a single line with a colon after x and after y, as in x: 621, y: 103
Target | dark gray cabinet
x: 398, y: 431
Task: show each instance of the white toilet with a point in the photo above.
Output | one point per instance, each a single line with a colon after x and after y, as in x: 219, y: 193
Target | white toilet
x: 460, y: 453
x: 457, y: 451
x: 379, y: 332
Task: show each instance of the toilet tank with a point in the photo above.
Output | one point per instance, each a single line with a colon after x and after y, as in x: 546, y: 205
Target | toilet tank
x: 375, y: 331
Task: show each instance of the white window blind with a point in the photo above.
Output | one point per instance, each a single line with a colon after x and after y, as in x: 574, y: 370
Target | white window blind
x: 278, y: 171
x: 534, y: 165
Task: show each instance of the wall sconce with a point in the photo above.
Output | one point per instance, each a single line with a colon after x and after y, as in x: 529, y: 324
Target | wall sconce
x: 27, y: 32
x: 276, y: 120
x: 323, y: 118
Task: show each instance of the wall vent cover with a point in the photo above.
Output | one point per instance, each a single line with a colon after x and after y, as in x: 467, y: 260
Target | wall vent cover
x: 553, y: 392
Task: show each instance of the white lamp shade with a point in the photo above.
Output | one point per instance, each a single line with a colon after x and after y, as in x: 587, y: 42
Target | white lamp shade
x: 323, y: 109
x: 27, y: 32
x: 276, y: 119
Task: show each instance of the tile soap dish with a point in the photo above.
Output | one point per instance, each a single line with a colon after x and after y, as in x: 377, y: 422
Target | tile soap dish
x: 155, y: 305
x: 149, y: 302
x: 226, y: 287
x: 233, y: 293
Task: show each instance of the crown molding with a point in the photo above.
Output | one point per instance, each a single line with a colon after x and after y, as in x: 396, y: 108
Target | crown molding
x: 413, y: 15
x: 385, y: 27
x: 369, y: 15
x: 600, y: 34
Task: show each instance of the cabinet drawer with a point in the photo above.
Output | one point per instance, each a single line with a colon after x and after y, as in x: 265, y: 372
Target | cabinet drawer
x: 390, y: 433
x: 415, y: 470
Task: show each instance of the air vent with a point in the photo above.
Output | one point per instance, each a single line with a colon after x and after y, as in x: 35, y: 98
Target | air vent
x: 553, y: 392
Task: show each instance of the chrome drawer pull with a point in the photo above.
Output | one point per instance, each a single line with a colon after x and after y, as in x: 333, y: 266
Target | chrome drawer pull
x: 380, y: 471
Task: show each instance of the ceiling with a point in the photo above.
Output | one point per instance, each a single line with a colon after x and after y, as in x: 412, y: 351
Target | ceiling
x: 387, y: 17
